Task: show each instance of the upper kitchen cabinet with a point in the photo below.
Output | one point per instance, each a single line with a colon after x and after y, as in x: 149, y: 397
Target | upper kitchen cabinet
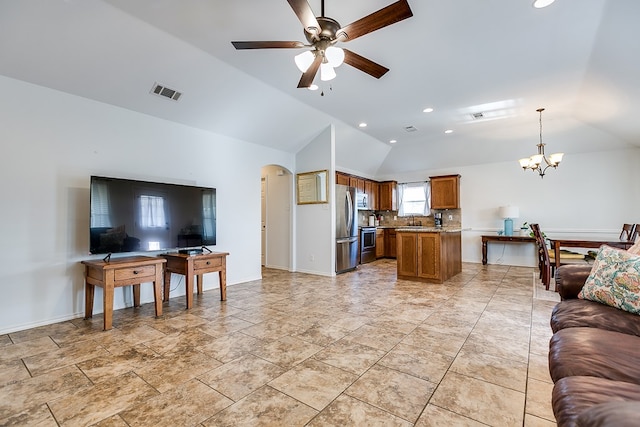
x: 371, y: 189
x: 387, y: 200
x: 445, y: 192
x: 342, y: 178
x: 357, y: 182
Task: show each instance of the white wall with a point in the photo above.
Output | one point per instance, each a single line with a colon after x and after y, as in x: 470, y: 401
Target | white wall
x: 589, y: 195
x: 315, y: 252
x: 52, y: 142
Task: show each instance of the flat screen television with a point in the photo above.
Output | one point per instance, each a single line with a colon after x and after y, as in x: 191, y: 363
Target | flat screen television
x: 138, y: 216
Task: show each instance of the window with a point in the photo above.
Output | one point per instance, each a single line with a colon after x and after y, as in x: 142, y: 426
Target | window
x: 152, y: 212
x: 414, y: 198
x: 209, y: 215
x: 100, y: 206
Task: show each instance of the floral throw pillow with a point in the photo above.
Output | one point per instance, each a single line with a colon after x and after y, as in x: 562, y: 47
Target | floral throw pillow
x: 614, y: 280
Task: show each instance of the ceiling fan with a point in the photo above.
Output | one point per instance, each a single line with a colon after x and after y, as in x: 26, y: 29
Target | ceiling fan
x: 323, y: 33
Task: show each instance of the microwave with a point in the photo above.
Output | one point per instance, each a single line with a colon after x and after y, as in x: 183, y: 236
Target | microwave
x: 361, y: 201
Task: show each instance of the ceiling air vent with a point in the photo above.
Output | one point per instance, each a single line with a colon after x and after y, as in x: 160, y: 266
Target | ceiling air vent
x: 477, y: 116
x: 410, y: 128
x: 161, y: 90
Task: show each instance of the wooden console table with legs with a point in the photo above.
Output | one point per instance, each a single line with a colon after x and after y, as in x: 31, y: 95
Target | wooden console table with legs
x: 502, y: 239
x: 121, y: 272
x: 195, y: 265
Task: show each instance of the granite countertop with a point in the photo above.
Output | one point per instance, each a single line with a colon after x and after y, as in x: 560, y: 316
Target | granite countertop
x: 420, y: 229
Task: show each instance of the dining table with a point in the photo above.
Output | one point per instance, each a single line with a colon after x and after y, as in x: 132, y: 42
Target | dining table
x: 557, y: 243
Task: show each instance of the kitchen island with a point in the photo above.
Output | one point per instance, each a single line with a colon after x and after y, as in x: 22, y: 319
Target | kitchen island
x: 428, y: 254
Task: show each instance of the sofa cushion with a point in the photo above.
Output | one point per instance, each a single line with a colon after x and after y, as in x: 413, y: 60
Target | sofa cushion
x: 570, y: 279
x: 594, y: 352
x: 575, y: 313
x: 619, y: 414
x: 572, y: 396
x: 614, y: 280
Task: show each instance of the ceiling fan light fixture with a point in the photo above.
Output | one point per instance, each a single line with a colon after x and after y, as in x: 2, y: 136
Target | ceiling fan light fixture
x: 304, y: 60
x: 334, y: 55
x: 539, y: 4
x: 327, y: 72
x: 313, y: 87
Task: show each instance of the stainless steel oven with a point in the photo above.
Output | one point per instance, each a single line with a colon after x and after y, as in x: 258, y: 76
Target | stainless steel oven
x: 367, y: 244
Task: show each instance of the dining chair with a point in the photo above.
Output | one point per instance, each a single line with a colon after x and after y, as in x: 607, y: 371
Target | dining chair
x: 547, y: 260
x: 635, y: 232
x: 628, y: 232
x: 544, y: 262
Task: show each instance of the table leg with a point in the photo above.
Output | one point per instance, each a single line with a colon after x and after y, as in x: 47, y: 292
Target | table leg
x: 107, y: 306
x: 157, y: 292
x: 556, y: 252
x: 223, y: 284
x: 199, y: 282
x: 89, y: 291
x: 188, y: 278
x: 167, y: 285
x: 484, y: 252
x: 136, y: 295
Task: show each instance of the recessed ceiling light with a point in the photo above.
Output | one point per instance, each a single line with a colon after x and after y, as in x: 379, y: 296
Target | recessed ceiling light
x: 539, y: 4
x: 393, y: 141
x: 448, y: 131
x: 428, y: 110
x: 362, y: 125
x: 313, y: 87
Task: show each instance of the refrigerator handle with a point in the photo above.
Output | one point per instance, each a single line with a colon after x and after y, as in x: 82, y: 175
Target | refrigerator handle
x: 350, y: 212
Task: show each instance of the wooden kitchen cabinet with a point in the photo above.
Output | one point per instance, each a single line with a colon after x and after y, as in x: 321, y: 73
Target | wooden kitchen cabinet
x: 445, y: 192
x: 375, y: 196
x: 390, y: 250
x: 388, y: 196
x: 380, y: 243
x: 357, y: 182
x: 429, y: 257
x: 407, y: 255
x: 372, y: 196
x: 342, y: 178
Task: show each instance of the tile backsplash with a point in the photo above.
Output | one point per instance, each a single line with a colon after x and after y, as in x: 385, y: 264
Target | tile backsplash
x: 450, y: 218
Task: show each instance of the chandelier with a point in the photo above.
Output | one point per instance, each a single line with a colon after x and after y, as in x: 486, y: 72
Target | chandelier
x: 535, y: 162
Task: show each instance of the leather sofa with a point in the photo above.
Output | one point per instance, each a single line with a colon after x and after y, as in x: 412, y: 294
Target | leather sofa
x: 594, y: 358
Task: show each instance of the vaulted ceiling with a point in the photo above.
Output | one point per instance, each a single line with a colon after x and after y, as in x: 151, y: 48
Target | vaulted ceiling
x: 501, y: 59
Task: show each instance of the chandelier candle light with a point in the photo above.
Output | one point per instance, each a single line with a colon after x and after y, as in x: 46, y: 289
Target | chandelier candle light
x: 508, y: 213
x: 535, y: 162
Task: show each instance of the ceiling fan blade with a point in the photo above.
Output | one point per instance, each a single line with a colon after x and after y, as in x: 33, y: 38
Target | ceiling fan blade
x: 267, y: 45
x: 305, y: 15
x: 391, y: 14
x: 307, y: 78
x: 364, y: 64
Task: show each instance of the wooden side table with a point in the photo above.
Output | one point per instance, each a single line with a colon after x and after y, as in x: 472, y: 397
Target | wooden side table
x: 195, y: 265
x: 503, y: 239
x: 121, y: 272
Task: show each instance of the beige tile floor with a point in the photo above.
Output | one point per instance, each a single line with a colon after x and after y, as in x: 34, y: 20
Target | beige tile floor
x: 295, y: 349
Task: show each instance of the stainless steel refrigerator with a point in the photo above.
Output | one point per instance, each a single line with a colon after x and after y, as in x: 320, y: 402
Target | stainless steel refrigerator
x: 346, y: 229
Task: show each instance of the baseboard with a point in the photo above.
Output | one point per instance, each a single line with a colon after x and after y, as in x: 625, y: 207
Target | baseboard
x: 18, y: 328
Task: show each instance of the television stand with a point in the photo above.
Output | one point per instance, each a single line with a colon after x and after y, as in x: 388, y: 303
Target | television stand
x: 121, y: 272
x: 191, y: 251
x: 195, y: 265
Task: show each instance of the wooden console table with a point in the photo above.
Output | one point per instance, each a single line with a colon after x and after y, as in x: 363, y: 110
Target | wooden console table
x: 556, y: 244
x: 121, y: 272
x: 195, y: 265
x: 503, y: 239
